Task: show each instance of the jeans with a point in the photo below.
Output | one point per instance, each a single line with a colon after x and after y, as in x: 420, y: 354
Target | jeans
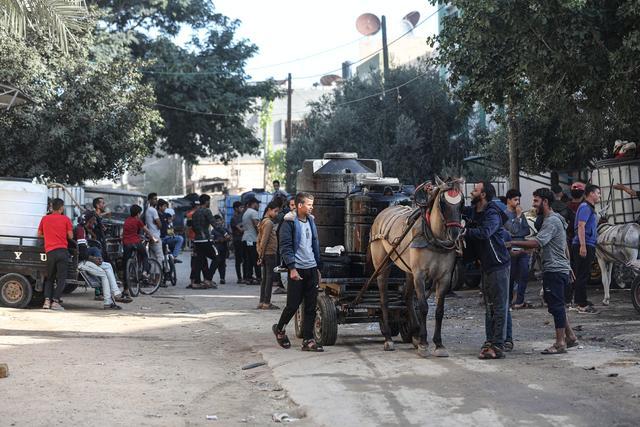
x: 496, y: 299
x: 554, y: 285
x: 519, y: 276
x: 298, y: 291
x: 57, y: 265
x: 205, y: 252
x: 238, y: 251
x: 220, y: 264
x: 104, y: 272
x: 266, y: 283
x: 250, y: 261
x: 582, y: 269
x: 174, y: 243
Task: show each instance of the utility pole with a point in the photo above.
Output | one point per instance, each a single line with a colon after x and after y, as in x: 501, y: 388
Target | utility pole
x: 288, y: 130
x: 385, y: 47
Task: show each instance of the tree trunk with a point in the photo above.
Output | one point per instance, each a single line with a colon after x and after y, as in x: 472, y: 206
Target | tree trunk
x: 514, y: 152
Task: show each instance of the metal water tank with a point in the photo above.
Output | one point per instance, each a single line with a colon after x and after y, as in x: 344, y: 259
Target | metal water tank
x: 22, y: 206
x: 362, y: 207
x: 330, y: 180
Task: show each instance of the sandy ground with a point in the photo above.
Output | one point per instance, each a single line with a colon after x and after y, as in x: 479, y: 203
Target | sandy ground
x: 175, y: 358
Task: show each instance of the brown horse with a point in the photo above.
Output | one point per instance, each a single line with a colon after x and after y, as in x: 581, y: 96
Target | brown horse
x: 428, y: 251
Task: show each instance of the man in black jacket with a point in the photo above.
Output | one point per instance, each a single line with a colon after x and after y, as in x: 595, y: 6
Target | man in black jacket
x: 486, y: 237
x: 300, y: 251
x: 201, y: 223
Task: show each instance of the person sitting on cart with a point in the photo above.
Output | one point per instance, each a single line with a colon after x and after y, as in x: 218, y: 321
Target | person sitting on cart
x: 132, y: 241
x: 95, y: 265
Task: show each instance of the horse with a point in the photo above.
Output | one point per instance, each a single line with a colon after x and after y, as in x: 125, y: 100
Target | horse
x: 616, y: 244
x: 427, y: 251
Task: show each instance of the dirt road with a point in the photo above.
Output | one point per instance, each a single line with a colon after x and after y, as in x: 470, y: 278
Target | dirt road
x: 176, y: 359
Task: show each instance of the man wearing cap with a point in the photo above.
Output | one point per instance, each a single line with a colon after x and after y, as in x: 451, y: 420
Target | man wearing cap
x: 250, y: 220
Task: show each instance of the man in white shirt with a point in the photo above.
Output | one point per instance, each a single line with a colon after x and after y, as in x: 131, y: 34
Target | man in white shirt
x: 250, y: 220
x: 152, y: 221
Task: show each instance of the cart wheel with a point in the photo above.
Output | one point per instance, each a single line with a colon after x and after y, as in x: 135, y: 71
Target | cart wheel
x: 69, y: 287
x: 457, y: 278
x: 393, y: 325
x: 325, y: 330
x: 298, y: 321
x: 635, y: 294
x: 406, y: 326
x: 15, y: 290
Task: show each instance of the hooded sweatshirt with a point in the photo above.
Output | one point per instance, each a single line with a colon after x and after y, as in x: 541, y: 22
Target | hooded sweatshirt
x: 487, y: 237
x: 553, y: 240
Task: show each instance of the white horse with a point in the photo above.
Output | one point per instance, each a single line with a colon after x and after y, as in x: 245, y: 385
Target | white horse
x: 616, y: 244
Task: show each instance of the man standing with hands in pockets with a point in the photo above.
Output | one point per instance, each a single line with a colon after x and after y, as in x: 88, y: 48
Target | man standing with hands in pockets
x: 300, y: 252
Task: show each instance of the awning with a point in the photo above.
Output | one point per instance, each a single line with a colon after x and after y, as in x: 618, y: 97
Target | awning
x: 10, y: 97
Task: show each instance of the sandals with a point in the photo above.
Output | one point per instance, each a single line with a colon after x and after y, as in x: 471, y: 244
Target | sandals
x: 554, y: 349
x: 522, y: 306
x: 281, y: 337
x: 571, y: 344
x: 267, y: 306
x: 508, y: 346
x: 490, y: 352
x: 311, y: 345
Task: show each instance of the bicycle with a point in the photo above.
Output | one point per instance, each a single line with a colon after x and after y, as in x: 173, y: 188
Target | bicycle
x: 168, y: 266
x: 140, y: 281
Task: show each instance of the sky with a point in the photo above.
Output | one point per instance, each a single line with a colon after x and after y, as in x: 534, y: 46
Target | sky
x: 286, y: 30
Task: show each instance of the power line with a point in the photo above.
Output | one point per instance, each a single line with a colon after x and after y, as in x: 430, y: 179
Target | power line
x: 374, y: 95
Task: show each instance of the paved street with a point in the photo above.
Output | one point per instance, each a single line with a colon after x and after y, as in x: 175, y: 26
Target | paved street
x: 176, y: 358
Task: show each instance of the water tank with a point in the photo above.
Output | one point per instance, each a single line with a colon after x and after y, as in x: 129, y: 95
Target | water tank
x: 330, y: 180
x: 22, y: 206
x: 361, y: 209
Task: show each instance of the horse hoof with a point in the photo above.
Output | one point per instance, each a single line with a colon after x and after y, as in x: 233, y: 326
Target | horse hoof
x: 605, y: 302
x: 423, y: 351
x: 416, y: 342
x: 441, y: 352
x: 388, y: 346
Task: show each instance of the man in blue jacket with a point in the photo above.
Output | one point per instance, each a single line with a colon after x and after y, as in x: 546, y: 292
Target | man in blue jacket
x: 300, y: 252
x: 485, y: 236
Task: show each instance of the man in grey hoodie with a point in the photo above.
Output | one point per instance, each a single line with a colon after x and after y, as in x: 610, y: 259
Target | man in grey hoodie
x: 556, y: 269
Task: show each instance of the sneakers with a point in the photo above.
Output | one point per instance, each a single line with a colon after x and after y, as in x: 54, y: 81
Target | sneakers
x: 279, y: 291
x: 56, y: 306
x: 588, y: 309
x: 123, y: 298
x: 177, y: 261
x: 112, y: 306
x: 222, y: 282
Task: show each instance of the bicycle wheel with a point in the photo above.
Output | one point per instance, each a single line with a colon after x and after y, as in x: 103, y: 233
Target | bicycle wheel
x: 133, y: 280
x: 173, y: 276
x: 151, y: 284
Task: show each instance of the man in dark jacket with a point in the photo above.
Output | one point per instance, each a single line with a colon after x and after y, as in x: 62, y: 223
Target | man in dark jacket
x: 485, y: 236
x: 300, y: 251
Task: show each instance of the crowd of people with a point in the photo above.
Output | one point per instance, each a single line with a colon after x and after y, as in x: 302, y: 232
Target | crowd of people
x: 499, y: 235
x: 565, y: 232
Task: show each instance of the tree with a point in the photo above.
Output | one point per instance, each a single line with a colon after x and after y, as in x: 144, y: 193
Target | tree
x: 60, y: 18
x: 417, y: 130
x: 89, y: 120
x: 202, y: 89
x: 563, y: 73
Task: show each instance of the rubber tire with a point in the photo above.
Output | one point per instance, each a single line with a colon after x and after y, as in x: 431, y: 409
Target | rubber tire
x: 457, y: 278
x: 406, y: 330
x: 153, y: 265
x: 325, y: 328
x: 70, y: 287
x: 635, y: 294
x: 132, y: 277
x: 26, y: 290
x: 297, y: 321
x: 173, y: 276
x: 394, y: 326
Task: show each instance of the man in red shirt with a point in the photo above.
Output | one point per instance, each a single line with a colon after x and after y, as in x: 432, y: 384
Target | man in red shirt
x: 57, y: 230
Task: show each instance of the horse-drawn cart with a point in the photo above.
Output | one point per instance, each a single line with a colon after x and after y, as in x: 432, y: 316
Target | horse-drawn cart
x: 338, y: 305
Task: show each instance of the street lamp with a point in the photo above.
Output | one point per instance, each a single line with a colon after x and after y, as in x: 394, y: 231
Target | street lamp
x: 11, y: 96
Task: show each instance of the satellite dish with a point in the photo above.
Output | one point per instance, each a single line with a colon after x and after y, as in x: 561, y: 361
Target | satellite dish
x: 368, y: 24
x: 330, y: 79
x: 412, y: 18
